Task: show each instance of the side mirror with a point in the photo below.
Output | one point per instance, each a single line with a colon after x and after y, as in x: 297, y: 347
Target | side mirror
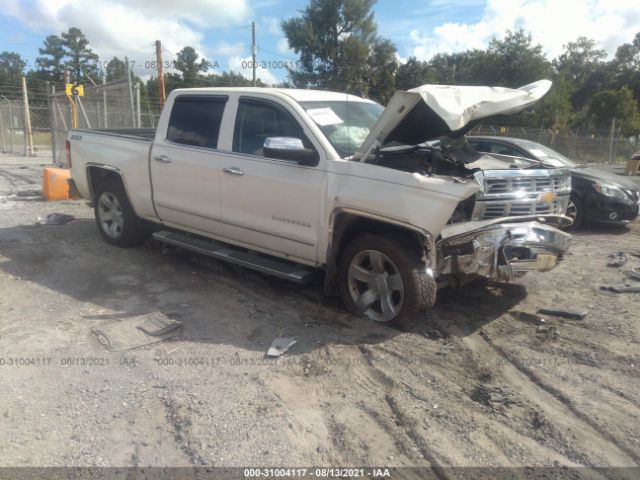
x: 289, y: 148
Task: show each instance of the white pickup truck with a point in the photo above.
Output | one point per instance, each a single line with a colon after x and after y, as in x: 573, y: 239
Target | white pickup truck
x: 389, y: 203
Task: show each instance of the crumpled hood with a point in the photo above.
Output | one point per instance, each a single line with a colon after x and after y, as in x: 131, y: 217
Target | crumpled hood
x: 431, y: 111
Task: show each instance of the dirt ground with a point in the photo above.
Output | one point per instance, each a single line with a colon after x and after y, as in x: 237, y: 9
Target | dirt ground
x: 475, y: 383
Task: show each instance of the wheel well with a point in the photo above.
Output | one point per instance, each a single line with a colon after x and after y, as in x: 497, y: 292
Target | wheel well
x: 98, y: 176
x: 348, y: 226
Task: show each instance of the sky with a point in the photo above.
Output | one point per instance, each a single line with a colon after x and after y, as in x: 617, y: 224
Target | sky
x: 220, y: 30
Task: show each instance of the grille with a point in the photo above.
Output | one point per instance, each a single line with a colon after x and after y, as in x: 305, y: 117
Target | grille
x: 507, y: 193
x: 528, y: 185
x: 513, y: 209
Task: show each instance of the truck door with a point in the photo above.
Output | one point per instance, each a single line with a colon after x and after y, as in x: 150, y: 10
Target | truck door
x: 274, y: 204
x: 186, y: 165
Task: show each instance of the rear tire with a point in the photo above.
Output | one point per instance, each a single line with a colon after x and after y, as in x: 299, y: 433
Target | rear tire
x: 382, y: 277
x: 116, y: 220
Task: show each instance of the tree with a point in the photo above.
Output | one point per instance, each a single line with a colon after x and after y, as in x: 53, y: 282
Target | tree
x: 82, y: 61
x: 626, y: 65
x: 583, y: 67
x: 554, y: 110
x: 190, y: 67
x: 411, y: 74
x: 472, y: 67
x: 116, y: 69
x: 383, y: 66
x: 11, y: 69
x: 618, y: 104
x: 514, y: 61
x: 51, y: 60
x: 336, y: 40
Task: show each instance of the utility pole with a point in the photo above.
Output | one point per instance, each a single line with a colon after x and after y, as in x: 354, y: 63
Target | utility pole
x: 104, y: 99
x: 613, y: 132
x: 72, y: 104
x: 138, y: 117
x: 28, y: 134
x: 54, y: 122
x: 133, y: 110
x: 253, y: 51
x: 161, y: 92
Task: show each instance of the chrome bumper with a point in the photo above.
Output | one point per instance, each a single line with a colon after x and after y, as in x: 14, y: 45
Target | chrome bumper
x: 502, y: 251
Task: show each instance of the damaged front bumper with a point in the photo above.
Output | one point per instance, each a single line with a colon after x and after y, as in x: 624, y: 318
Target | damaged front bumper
x: 501, y: 251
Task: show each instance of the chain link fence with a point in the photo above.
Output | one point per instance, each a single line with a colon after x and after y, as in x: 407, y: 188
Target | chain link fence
x: 582, y: 146
x: 124, y: 104
x: 43, y: 130
x: 15, y: 138
x: 109, y: 105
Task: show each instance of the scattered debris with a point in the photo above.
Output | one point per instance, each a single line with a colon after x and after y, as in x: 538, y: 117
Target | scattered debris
x: 633, y: 274
x: 433, y: 333
x: 56, y: 219
x: 280, y: 345
x: 557, y: 312
x: 158, y: 324
x: 493, y: 397
x: 635, y: 288
x: 485, y: 335
x: 547, y: 330
x: 126, y: 334
x: 29, y: 195
x: 617, y: 259
x: 446, y: 350
x: 414, y: 395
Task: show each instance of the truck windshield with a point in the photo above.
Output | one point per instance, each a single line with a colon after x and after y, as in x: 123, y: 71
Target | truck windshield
x: 345, y: 123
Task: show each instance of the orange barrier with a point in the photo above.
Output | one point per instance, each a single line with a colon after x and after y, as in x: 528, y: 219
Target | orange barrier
x: 54, y: 183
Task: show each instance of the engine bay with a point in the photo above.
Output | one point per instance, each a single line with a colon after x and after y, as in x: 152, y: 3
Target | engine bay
x: 445, y: 156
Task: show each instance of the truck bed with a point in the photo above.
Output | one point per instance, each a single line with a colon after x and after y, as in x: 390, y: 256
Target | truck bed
x: 125, y: 150
x: 133, y: 133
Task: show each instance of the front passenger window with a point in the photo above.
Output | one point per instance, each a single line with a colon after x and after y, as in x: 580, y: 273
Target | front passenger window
x: 256, y: 121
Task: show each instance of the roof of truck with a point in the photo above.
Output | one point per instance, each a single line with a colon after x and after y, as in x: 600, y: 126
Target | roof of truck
x: 298, y: 94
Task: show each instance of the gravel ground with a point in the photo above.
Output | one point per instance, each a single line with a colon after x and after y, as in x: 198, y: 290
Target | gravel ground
x: 480, y: 381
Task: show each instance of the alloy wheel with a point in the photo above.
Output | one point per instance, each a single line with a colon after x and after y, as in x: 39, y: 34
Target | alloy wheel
x: 110, y: 214
x: 375, y: 285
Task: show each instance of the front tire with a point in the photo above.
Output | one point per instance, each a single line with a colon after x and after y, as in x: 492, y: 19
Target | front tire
x: 575, y: 211
x: 382, y: 278
x: 116, y: 220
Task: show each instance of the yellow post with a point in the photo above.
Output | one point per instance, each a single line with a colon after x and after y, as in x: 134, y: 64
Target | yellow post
x: 69, y: 90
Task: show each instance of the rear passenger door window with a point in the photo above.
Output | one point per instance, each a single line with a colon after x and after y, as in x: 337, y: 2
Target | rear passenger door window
x: 258, y: 120
x: 195, y: 120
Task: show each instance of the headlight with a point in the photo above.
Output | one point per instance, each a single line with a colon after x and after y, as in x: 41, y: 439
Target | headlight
x: 610, y: 191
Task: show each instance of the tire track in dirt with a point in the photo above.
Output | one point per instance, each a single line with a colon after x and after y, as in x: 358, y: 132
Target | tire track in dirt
x: 401, y: 419
x: 555, y: 405
x: 567, y: 402
x: 181, y: 426
x: 416, y: 438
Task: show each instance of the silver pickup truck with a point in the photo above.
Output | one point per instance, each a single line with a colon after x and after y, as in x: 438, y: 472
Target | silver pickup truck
x: 385, y: 202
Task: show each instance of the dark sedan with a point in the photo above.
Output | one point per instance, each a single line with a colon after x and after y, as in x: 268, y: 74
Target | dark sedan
x: 596, y: 196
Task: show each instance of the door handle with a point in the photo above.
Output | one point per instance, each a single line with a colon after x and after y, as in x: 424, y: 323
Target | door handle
x: 233, y: 171
x: 162, y: 158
